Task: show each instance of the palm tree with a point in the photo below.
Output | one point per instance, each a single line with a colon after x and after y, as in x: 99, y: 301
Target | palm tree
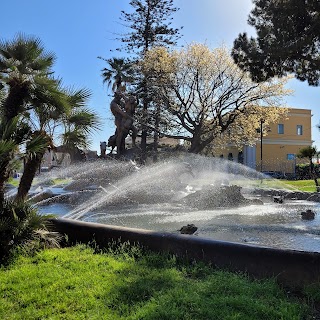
x: 309, y: 152
x: 48, y: 105
x: 24, y: 65
x: 36, y: 148
x: 78, y: 124
x: 120, y: 70
x: 31, y: 93
x: 58, y: 105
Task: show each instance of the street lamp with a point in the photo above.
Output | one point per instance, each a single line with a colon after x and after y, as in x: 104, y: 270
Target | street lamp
x: 261, y: 135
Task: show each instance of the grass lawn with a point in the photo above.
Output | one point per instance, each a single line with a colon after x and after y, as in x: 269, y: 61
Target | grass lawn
x: 14, y: 182
x: 294, y: 185
x: 75, y: 283
x: 302, y: 185
x: 53, y: 182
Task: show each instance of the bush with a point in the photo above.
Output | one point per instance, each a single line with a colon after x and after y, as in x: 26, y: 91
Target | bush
x: 303, y: 171
x: 22, y: 227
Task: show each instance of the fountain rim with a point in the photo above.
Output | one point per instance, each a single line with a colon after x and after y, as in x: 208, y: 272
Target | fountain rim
x: 292, y: 268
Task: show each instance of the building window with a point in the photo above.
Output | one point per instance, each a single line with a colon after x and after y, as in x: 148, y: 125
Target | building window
x: 280, y: 128
x: 299, y: 130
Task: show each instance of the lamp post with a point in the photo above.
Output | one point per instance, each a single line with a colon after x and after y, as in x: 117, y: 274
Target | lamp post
x: 261, y: 135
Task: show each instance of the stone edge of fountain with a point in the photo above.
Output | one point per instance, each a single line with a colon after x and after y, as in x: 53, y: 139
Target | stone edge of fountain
x: 294, y: 269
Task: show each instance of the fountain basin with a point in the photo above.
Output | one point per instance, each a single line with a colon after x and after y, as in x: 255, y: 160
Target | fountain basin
x: 271, y: 224
x: 165, y: 196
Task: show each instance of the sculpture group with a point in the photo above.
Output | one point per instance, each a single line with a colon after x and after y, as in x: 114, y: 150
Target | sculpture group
x: 123, y: 108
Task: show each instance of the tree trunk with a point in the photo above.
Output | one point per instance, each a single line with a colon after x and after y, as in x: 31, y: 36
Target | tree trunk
x: 144, y: 132
x: 314, y: 175
x: 156, y: 135
x: 195, y: 146
x: 12, y: 107
x: 4, y: 173
x: 13, y: 104
x: 316, y: 183
x: 196, y: 143
x: 28, y: 175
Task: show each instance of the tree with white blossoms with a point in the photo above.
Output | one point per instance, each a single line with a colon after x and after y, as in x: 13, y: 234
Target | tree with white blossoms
x: 209, y: 99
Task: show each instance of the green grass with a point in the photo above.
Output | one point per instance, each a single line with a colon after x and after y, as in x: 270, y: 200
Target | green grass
x: 52, y: 182
x: 294, y: 185
x: 302, y: 185
x: 14, y: 182
x: 60, y: 181
x: 75, y: 283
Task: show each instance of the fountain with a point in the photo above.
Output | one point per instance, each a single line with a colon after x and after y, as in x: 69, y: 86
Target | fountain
x: 224, y: 200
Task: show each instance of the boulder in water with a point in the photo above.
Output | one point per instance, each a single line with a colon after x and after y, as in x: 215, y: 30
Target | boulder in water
x: 307, y: 215
x: 213, y: 197
x: 188, y: 229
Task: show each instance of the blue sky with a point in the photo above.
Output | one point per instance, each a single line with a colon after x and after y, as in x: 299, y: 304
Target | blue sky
x: 78, y: 31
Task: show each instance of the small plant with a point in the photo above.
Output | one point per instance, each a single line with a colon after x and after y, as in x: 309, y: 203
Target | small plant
x: 22, y: 227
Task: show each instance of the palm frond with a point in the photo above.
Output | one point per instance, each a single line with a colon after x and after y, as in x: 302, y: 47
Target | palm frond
x: 38, y: 144
x: 75, y: 139
x: 7, y: 129
x: 85, y: 120
x: 78, y: 98
x: 120, y: 70
x: 6, y: 146
x: 28, y: 53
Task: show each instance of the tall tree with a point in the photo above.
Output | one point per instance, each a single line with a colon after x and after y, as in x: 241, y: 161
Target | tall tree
x: 32, y: 101
x: 66, y: 106
x: 207, y: 96
x: 288, y: 37
x: 24, y: 64
x: 48, y: 104
x: 150, y: 26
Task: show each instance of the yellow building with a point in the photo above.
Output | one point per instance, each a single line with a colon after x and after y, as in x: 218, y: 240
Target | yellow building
x: 281, y: 145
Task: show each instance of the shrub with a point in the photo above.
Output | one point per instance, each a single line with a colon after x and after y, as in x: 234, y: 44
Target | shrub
x: 22, y: 227
x: 303, y: 171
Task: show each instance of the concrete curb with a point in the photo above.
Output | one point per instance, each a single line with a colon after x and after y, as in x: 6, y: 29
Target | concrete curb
x: 291, y: 268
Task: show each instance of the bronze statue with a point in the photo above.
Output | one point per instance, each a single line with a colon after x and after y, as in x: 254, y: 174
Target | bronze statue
x: 127, y: 123
x: 123, y: 114
x: 112, y: 142
x: 103, y: 146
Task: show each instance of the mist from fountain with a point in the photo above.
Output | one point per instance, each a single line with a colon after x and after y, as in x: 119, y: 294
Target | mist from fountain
x: 117, y: 180
x: 121, y: 193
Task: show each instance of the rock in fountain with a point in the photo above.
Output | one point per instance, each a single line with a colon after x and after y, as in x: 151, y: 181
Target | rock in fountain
x: 278, y: 199
x: 307, y: 215
x: 213, y: 197
x: 188, y: 229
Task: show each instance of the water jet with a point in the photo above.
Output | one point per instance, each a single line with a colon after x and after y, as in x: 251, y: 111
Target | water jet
x: 224, y: 199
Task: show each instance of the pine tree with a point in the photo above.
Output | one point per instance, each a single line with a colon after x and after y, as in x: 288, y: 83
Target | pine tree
x: 150, y: 26
x: 288, y: 37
